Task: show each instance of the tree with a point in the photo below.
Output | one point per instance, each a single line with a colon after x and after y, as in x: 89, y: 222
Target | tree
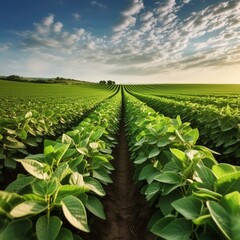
x: 110, y: 82
x: 102, y: 82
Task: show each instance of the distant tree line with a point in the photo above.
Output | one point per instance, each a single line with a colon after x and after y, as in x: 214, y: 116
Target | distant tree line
x: 109, y: 82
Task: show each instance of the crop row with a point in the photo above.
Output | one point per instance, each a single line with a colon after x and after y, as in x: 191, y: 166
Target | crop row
x: 22, y: 133
x: 66, y: 179
x: 219, y: 129
x: 194, y: 196
x: 218, y: 101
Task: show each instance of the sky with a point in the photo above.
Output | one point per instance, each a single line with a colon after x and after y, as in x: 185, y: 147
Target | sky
x: 127, y: 41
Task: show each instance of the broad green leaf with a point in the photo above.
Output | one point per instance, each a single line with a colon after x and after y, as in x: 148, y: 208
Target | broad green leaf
x: 163, y: 141
x: 228, y: 183
x: 23, y: 134
x: 140, y: 159
x: 28, y: 208
x: 94, y: 185
x: 65, y: 234
x: 45, y: 188
x: 93, y: 145
x: 169, y: 177
x: 67, y: 190
x: 154, y: 152
x: 231, y: 203
x: 47, y: 228
x: 152, y: 188
x: 95, y: 206
x: 62, y: 171
x: 178, y: 154
x: 205, y: 176
x: 190, y: 207
x: 82, y: 150
x: 170, y: 228
x: 66, y: 139
x: 59, y: 151
x: 102, y: 175
x: 100, y: 159
x: 165, y: 202
x: 32, y: 141
x: 220, y: 217
x: 35, y: 168
x: 16, y: 229
x: 147, y: 171
x: 19, y: 184
x: 75, y: 212
x: 97, y: 134
x: 223, y: 169
x: 76, y: 179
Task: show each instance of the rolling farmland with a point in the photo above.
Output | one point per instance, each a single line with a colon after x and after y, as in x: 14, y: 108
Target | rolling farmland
x: 91, y: 161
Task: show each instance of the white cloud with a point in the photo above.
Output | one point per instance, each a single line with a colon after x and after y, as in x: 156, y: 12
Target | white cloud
x: 135, y: 8
x: 145, y: 42
x: 57, y: 27
x: 166, y: 7
x: 125, y: 23
x: 48, y: 21
x: 4, y: 46
x: 76, y: 16
x: 146, y: 16
x: 98, y: 4
x: 186, y: 1
x: 128, y: 16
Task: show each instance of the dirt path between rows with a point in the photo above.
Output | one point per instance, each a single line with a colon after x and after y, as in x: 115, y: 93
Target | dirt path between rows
x: 126, y: 210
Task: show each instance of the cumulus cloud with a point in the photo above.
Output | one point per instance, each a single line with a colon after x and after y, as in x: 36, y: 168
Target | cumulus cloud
x: 128, y: 18
x: 76, y: 16
x: 166, y: 7
x: 147, y: 41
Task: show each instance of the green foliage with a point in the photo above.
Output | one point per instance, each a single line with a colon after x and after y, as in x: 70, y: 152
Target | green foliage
x: 217, y: 119
x: 196, y: 197
x: 66, y: 179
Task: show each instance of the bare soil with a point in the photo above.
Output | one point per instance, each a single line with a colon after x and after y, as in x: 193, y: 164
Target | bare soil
x: 127, y: 212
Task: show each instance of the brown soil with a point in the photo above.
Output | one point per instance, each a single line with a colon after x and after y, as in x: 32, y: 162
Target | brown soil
x: 126, y: 210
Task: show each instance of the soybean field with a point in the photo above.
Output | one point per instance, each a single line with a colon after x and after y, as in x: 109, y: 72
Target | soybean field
x: 98, y: 161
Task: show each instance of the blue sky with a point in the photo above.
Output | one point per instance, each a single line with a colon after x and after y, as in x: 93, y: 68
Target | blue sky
x: 129, y: 41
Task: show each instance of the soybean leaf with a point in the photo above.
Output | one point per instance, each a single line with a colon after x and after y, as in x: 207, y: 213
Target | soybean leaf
x: 170, y: 228
x: 154, y: 152
x: 169, y: 177
x: 95, y: 206
x: 223, y: 169
x: 228, y: 183
x: 35, y: 168
x: 95, y: 186
x: 45, y: 187
x: 147, y: 171
x: 190, y: 207
x: 65, y: 234
x: 30, y: 207
x: 47, y: 228
x: 102, y: 175
x: 220, y: 217
x: 75, y: 212
x: 67, y: 190
x: 19, y: 184
x: 16, y: 229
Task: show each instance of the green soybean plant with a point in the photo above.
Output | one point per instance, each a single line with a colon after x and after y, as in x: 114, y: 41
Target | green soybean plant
x: 194, y: 196
x: 65, y: 180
